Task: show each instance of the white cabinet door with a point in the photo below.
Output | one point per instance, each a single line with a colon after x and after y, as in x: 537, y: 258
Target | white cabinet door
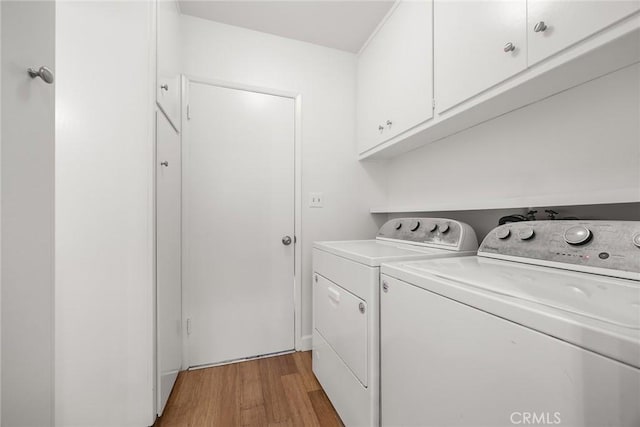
x: 169, y: 288
x: 555, y: 25
x: 395, y: 75
x: 470, y: 43
x: 168, y: 61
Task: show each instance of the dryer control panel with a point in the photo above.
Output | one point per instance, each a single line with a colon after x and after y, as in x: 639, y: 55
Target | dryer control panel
x: 436, y: 232
x: 603, y: 247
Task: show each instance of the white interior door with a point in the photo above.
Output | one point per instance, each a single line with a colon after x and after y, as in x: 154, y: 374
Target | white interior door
x: 238, y: 204
x: 28, y: 161
x: 168, y: 291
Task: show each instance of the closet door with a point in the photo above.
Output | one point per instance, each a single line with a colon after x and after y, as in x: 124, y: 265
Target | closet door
x: 168, y: 60
x: 478, y: 44
x: 168, y: 258
x: 28, y: 160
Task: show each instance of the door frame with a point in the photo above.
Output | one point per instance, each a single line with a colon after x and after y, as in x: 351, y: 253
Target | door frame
x: 299, y: 342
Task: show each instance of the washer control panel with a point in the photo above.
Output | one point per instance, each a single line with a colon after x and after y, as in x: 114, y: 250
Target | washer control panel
x: 609, y: 245
x: 439, y: 232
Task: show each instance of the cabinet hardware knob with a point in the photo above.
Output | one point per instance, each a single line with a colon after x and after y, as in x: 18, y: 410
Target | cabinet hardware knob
x: 385, y: 286
x: 540, y: 27
x: 164, y: 87
x: 165, y: 164
x: 509, y: 47
x: 43, y: 72
x: 286, y: 240
x: 316, y: 278
x: 389, y: 123
x: 361, y: 307
x: 380, y: 128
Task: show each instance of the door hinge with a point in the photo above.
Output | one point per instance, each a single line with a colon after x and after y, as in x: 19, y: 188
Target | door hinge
x: 189, y: 326
x: 188, y: 112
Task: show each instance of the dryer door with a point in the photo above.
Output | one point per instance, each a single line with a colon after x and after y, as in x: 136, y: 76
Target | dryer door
x: 341, y: 318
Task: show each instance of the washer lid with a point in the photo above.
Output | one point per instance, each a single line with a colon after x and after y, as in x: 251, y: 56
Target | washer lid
x: 589, y: 310
x: 375, y: 252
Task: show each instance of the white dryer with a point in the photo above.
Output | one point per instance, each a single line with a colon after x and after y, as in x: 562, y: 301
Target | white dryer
x: 542, y: 327
x: 346, y: 306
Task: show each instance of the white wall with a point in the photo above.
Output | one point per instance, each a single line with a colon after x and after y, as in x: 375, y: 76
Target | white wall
x: 581, y: 146
x: 326, y: 80
x: 104, y: 214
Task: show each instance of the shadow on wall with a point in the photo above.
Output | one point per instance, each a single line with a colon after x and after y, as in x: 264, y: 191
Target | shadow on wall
x: 483, y: 221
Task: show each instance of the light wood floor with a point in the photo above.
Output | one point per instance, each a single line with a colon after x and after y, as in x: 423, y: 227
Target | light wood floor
x: 276, y: 391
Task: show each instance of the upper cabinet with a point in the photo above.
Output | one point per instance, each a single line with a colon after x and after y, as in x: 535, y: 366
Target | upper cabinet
x: 395, y: 75
x: 554, y: 25
x: 477, y: 45
x: 168, y: 60
x: 435, y: 69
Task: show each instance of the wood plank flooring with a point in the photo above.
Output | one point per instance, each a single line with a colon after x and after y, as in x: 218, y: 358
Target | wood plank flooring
x: 275, y: 391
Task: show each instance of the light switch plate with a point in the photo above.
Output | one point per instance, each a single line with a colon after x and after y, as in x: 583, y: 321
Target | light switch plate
x: 316, y: 200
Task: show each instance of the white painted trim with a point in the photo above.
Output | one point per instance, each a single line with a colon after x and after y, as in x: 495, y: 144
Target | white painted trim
x: 297, y: 269
x: 299, y: 341
x: 378, y: 27
x: 305, y: 343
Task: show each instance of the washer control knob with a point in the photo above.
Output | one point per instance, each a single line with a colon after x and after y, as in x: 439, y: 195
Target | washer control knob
x: 503, y: 233
x: 398, y: 225
x: 415, y: 225
x: 636, y: 240
x: 431, y: 227
x: 577, y: 235
x: 526, y: 233
x: 443, y: 227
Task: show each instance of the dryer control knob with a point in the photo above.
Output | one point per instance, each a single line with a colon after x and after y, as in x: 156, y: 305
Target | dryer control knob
x: 415, y: 225
x: 636, y: 240
x: 431, y: 227
x: 503, y: 233
x: 577, y: 235
x: 398, y: 225
x: 443, y: 227
x: 526, y: 233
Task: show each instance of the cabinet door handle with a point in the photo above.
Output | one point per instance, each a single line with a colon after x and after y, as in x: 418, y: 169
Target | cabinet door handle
x: 389, y: 123
x: 540, y: 27
x: 43, y: 72
x: 164, y: 87
x: 380, y: 128
x: 509, y: 47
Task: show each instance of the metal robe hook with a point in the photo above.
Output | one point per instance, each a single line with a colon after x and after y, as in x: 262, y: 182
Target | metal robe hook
x: 43, y: 72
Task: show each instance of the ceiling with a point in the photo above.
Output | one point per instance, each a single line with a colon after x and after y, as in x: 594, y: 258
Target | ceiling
x: 343, y: 24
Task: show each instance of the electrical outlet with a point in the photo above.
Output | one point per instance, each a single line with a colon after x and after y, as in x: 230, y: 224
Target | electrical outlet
x: 316, y: 200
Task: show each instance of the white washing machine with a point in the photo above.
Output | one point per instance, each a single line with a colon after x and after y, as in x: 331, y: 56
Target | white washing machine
x: 542, y: 327
x: 346, y: 306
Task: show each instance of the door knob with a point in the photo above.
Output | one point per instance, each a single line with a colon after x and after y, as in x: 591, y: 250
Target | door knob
x: 164, y: 87
x: 509, y: 47
x: 540, y: 27
x: 43, y: 72
x: 165, y: 164
x: 286, y: 240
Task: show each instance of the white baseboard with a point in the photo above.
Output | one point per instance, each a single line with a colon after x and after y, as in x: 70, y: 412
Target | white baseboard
x: 305, y: 343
